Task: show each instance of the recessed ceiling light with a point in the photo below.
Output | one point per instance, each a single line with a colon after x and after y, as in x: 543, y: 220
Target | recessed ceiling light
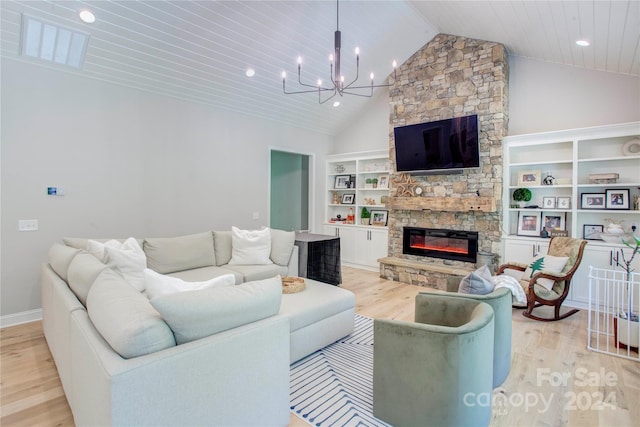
x: 336, y: 104
x: 87, y: 16
x: 583, y: 43
x: 250, y: 72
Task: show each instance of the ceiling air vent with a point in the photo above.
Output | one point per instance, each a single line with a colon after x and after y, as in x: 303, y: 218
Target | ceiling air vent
x: 52, y: 43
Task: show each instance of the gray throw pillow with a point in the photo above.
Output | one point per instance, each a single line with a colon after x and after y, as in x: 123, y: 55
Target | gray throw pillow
x: 477, y: 283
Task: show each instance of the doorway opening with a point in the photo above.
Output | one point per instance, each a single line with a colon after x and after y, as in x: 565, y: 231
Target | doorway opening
x: 290, y: 206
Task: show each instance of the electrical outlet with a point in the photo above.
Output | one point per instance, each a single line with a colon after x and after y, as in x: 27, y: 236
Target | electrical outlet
x: 28, y: 225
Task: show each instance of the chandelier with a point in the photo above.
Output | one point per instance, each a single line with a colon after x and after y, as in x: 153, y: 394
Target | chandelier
x: 338, y: 85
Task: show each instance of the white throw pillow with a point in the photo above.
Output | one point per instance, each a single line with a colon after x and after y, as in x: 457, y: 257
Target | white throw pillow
x: 197, y: 314
x: 157, y: 284
x: 129, y: 258
x: 477, y: 283
x: 96, y: 248
x: 547, y: 263
x: 250, y: 247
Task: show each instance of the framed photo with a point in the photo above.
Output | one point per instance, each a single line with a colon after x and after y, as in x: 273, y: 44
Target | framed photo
x: 383, y: 181
x: 528, y: 178
x: 563, y: 202
x: 342, y: 181
x: 348, y: 199
x: 548, y: 202
x: 379, y: 217
x: 529, y: 223
x: 592, y: 231
x: 592, y: 200
x: 617, y: 199
x: 554, y: 220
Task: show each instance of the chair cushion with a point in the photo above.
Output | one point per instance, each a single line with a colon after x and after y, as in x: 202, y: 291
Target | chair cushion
x: 548, y: 263
x: 196, y: 314
x: 477, y: 282
x: 171, y: 254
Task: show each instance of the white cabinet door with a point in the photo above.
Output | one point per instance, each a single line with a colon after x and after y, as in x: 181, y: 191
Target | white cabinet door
x: 597, y: 256
x: 370, y: 245
x: 347, y: 241
x: 523, y: 251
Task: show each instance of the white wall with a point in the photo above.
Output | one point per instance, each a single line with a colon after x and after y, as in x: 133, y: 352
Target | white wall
x: 542, y: 97
x: 370, y: 130
x: 547, y: 97
x: 131, y: 164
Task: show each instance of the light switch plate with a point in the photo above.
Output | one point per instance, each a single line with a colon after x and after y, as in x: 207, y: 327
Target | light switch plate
x: 28, y: 225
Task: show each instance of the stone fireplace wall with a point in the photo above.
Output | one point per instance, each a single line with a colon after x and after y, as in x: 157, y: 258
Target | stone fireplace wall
x: 449, y: 77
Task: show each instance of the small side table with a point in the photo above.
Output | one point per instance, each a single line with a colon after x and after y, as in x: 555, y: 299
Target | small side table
x: 319, y: 257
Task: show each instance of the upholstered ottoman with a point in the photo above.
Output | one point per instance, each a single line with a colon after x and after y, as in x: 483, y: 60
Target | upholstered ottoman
x: 318, y: 316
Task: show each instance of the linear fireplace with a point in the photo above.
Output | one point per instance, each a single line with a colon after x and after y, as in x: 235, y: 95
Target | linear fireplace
x: 439, y: 243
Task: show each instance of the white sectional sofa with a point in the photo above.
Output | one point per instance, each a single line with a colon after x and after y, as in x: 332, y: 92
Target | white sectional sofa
x: 218, y: 356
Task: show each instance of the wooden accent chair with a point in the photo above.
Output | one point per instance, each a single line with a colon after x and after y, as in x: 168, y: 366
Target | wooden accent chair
x: 538, y: 295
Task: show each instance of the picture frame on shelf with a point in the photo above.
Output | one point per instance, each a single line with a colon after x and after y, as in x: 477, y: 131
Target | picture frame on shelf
x: 383, y: 181
x: 592, y: 231
x: 379, y: 217
x: 548, y: 202
x: 563, y: 202
x: 554, y: 220
x: 528, y: 223
x: 617, y: 199
x: 592, y: 201
x: 348, y: 199
x: 342, y: 182
x: 528, y: 178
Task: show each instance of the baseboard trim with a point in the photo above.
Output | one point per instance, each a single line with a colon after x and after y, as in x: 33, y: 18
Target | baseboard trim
x: 19, y: 318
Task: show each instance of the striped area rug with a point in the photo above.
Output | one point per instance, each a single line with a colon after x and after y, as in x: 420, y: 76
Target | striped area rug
x: 334, y: 385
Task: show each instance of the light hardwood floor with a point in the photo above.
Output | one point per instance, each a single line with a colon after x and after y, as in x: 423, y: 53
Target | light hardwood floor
x: 554, y: 379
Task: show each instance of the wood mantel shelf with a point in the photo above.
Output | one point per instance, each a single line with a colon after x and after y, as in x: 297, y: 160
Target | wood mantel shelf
x: 445, y: 204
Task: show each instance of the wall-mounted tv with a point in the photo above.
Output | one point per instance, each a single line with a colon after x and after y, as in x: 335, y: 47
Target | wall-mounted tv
x: 440, y: 146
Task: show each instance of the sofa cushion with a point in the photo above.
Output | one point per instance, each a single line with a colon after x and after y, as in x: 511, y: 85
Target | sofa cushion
x: 250, y: 247
x: 196, y: 314
x: 222, y: 242
x: 82, y: 273
x: 318, y: 301
x: 97, y: 248
x: 60, y: 257
x: 249, y: 273
x: 171, y: 254
x: 83, y: 242
x: 125, y: 318
x: 205, y: 273
x: 157, y: 284
x: 282, y: 243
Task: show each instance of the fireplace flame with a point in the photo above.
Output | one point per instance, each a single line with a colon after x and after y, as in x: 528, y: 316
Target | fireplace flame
x: 448, y: 249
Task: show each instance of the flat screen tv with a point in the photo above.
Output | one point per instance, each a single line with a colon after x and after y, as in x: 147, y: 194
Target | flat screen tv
x: 440, y: 146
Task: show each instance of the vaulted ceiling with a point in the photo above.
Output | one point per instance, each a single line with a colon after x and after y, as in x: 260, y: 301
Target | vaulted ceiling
x: 199, y: 50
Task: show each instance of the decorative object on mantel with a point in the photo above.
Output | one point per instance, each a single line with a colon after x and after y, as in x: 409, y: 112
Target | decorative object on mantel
x: 405, y: 184
x: 291, y: 284
x: 521, y: 195
x: 603, y: 178
x: 631, y: 148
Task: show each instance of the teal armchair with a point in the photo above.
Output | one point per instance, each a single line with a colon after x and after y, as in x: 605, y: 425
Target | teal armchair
x: 438, y: 370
